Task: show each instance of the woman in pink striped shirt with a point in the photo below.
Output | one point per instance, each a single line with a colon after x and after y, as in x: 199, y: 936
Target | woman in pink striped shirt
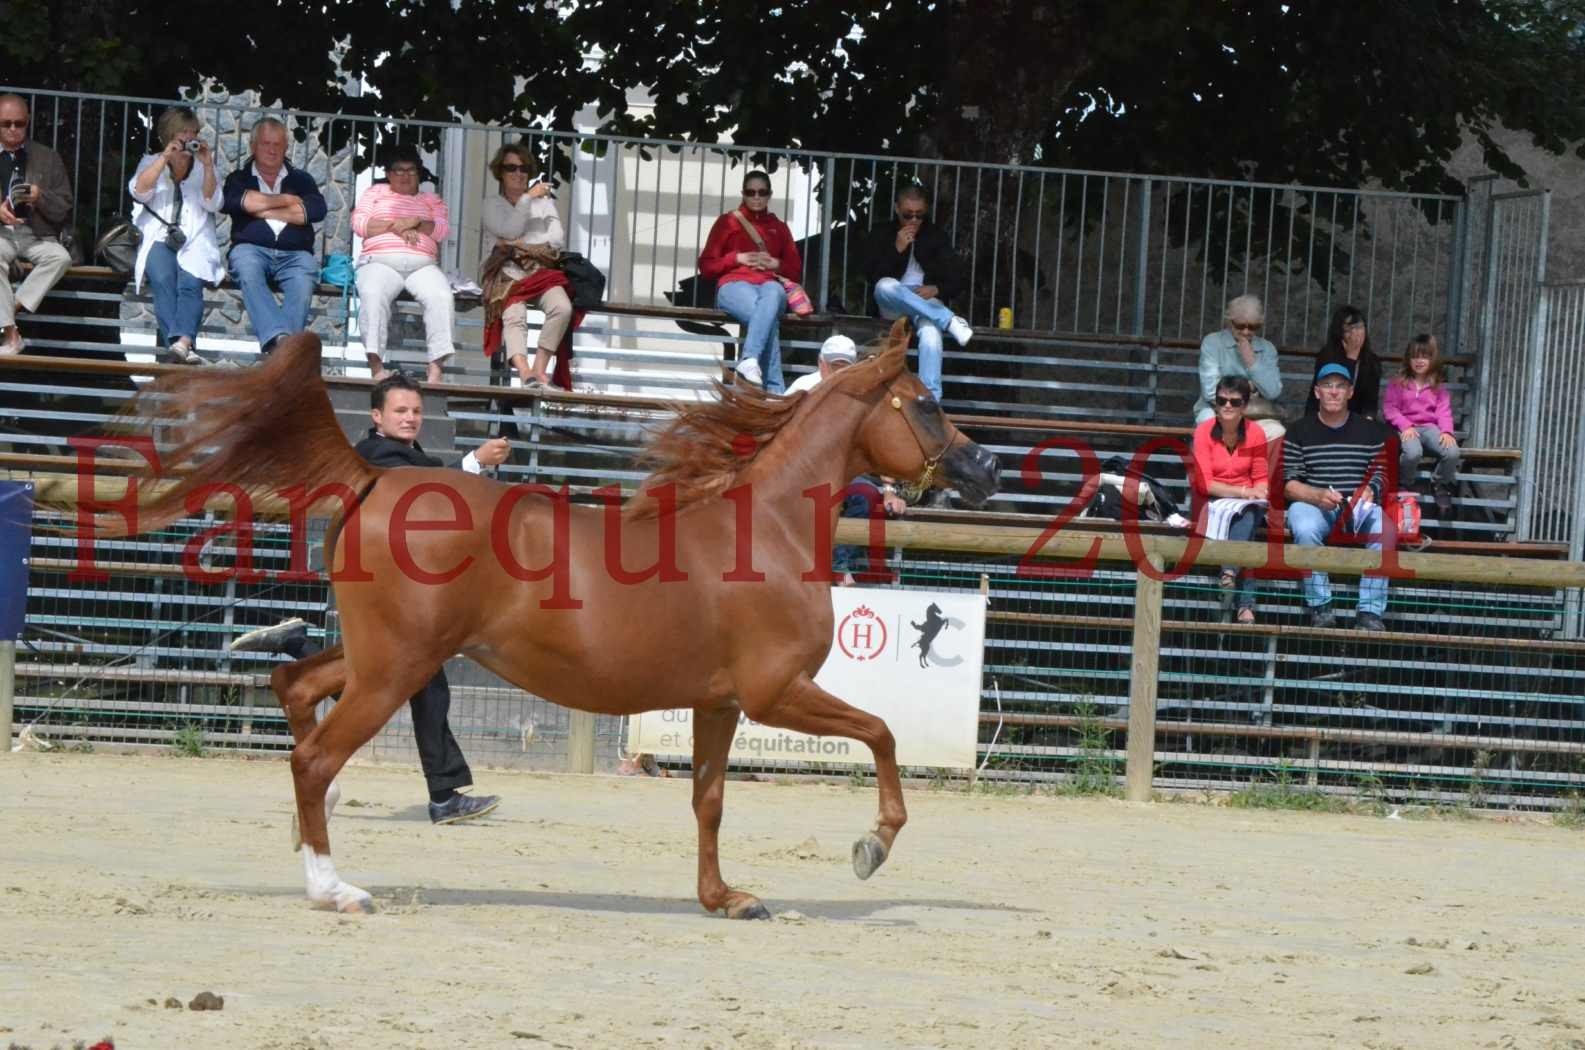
x: 402, y: 230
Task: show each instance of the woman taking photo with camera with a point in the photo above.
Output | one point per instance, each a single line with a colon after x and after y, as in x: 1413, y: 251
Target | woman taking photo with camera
x: 179, y: 251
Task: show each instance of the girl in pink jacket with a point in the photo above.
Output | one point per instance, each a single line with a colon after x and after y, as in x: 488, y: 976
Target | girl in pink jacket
x: 1418, y: 406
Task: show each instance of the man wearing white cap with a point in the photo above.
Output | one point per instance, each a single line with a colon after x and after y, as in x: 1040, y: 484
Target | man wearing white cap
x: 836, y: 353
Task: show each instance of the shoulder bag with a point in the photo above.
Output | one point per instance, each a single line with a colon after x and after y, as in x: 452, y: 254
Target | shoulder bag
x: 797, y: 299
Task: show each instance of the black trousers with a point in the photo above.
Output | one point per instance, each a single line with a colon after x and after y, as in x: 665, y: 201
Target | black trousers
x: 444, y: 767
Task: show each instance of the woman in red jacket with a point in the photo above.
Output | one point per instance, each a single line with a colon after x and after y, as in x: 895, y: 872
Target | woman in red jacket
x: 748, y: 253
x: 1232, y: 479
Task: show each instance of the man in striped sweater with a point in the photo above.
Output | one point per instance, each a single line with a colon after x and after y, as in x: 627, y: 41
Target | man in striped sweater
x: 1334, y: 467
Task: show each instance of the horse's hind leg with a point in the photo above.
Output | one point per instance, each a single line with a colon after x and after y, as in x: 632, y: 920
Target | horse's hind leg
x: 300, y: 686
x: 354, y: 720
x: 712, y: 738
x: 807, y: 708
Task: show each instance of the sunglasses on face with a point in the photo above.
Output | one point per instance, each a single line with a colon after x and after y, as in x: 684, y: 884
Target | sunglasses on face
x: 514, y: 168
x: 909, y: 216
x: 757, y: 193
x: 1228, y: 402
x: 13, y: 123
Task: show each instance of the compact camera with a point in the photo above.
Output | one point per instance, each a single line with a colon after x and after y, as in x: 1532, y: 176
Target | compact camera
x: 20, y: 198
x: 193, y: 146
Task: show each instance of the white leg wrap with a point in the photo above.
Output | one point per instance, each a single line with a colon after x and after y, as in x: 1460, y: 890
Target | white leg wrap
x: 325, y: 888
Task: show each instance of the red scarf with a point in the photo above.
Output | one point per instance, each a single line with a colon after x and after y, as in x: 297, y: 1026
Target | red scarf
x: 529, y: 289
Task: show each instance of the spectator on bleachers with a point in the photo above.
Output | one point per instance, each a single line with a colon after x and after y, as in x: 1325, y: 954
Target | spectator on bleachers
x: 914, y: 272
x: 178, y: 195
x: 836, y: 353
x: 522, y: 216
x: 273, y: 208
x: 1238, y: 349
x: 1348, y: 344
x: 35, y: 203
x: 1333, y: 462
x: 1420, y: 408
x: 402, y: 228
x: 1231, y: 477
x: 747, y: 253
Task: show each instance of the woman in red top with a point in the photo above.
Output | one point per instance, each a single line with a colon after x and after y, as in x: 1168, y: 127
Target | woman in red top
x: 746, y: 271
x: 1230, y: 464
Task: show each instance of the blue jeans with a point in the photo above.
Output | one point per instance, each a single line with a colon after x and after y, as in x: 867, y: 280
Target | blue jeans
x: 1243, y: 528
x: 928, y: 316
x: 178, y: 296
x: 759, y: 307
x: 1311, y: 525
x: 846, y: 557
x: 296, y: 274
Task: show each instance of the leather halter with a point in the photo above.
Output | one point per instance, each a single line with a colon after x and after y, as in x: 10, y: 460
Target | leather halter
x: 912, y: 490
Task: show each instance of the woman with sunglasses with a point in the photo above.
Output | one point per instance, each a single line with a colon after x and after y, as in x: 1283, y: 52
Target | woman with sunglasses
x: 521, y: 223
x: 1238, y: 349
x: 1348, y: 344
x: 402, y: 229
x: 1231, y: 479
x: 747, y: 268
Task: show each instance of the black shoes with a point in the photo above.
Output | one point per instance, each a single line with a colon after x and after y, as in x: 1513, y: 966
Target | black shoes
x: 462, y: 807
x: 1368, y: 621
x: 269, y: 639
x: 1444, y: 500
x: 1323, y: 616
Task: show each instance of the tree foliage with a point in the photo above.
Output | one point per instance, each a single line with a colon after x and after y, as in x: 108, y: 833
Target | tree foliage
x: 1307, y: 90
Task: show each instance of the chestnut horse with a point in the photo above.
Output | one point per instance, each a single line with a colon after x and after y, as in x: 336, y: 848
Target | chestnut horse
x: 733, y: 615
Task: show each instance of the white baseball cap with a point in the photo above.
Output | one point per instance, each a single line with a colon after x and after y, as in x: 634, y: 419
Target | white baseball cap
x: 839, y: 348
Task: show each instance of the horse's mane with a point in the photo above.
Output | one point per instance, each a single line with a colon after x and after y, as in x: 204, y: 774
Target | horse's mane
x: 707, y: 445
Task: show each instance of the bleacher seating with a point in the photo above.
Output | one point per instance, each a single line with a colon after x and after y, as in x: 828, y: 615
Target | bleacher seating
x: 1008, y: 390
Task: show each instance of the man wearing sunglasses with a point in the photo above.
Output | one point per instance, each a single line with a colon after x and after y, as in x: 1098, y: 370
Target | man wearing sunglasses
x: 35, y: 203
x: 914, y: 272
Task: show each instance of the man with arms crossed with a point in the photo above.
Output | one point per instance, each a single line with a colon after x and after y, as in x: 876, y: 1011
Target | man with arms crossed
x: 273, y: 208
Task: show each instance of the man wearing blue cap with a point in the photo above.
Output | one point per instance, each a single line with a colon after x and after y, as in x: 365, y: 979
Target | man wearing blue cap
x: 1334, y: 466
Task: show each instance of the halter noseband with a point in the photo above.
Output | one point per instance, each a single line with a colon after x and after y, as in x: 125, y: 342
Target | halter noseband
x: 912, y: 490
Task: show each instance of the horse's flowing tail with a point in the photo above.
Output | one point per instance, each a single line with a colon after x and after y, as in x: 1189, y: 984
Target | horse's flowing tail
x: 265, y: 431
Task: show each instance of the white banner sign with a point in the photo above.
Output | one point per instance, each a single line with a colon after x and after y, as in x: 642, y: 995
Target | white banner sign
x: 912, y: 658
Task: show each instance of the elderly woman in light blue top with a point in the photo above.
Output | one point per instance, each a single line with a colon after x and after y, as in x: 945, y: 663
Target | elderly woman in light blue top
x: 178, y: 196
x: 1239, y: 350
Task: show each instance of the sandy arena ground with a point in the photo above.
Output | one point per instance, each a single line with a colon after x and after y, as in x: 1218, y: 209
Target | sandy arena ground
x: 569, y: 920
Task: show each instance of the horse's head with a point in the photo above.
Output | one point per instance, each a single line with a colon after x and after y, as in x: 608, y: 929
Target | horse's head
x: 906, y: 435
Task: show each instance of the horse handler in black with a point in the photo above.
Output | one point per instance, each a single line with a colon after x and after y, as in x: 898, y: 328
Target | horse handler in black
x: 397, y: 410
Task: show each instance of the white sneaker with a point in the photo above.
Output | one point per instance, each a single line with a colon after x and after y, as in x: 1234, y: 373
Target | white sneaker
x: 748, y: 371
x: 959, y: 329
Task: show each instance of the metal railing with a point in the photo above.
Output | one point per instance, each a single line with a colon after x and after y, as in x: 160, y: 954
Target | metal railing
x: 1063, y: 250
x: 1470, y: 697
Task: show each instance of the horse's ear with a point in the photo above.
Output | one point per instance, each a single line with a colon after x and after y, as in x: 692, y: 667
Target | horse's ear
x: 893, y: 353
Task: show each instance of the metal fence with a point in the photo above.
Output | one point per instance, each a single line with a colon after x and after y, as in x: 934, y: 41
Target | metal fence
x: 1064, y: 251
x: 1475, y: 698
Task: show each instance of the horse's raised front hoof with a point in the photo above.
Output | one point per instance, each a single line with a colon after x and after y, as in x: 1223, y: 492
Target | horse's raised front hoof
x: 869, y: 853
x: 747, y: 908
